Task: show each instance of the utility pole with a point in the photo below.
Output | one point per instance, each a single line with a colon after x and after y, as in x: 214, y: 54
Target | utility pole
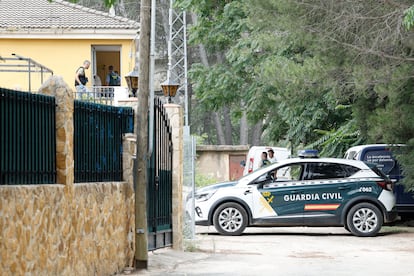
x: 140, y: 173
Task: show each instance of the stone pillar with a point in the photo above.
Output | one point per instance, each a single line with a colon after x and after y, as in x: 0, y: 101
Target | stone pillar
x: 128, y: 159
x: 175, y: 115
x: 128, y: 156
x: 65, y: 170
x: 56, y: 86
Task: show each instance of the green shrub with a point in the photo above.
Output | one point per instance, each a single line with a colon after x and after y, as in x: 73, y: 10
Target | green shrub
x: 203, y: 180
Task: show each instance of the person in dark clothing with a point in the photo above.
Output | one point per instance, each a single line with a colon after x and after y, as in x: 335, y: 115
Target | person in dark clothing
x: 113, y: 79
x: 265, y: 161
x: 81, y: 79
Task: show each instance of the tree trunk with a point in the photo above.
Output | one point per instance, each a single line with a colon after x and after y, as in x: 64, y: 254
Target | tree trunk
x: 164, y: 18
x: 201, y: 48
x: 122, y: 9
x: 164, y: 9
x: 220, y: 133
x: 257, y: 134
x: 208, y: 126
x: 244, y: 130
x: 228, y: 128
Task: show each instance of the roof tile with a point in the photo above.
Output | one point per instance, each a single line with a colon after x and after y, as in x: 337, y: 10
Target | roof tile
x: 42, y: 14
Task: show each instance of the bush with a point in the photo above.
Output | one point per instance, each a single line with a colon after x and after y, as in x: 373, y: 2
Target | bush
x: 203, y: 180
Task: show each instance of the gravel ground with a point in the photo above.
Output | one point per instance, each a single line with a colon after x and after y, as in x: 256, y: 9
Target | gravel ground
x: 289, y: 251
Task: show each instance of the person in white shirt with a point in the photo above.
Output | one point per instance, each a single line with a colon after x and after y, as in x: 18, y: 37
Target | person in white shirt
x: 97, y: 81
x: 271, y: 156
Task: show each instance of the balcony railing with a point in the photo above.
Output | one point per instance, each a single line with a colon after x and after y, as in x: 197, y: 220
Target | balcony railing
x: 108, y: 95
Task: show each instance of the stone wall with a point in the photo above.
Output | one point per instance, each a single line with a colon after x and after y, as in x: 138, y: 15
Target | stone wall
x: 44, y: 233
x: 68, y: 228
x: 214, y: 161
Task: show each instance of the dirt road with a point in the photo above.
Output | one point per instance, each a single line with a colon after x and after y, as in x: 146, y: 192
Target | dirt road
x: 291, y: 251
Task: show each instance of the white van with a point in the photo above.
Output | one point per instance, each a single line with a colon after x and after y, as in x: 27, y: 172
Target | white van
x: 254, y: 157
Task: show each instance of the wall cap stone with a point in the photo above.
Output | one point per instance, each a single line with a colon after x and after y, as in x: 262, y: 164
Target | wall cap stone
x: 232, y: 148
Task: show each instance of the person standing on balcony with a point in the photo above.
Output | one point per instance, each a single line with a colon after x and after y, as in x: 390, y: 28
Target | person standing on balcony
x: 112, y: 78
x: 81, y: 79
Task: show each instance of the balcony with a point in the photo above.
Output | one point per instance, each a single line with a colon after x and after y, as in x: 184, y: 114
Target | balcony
x: 109, y: 95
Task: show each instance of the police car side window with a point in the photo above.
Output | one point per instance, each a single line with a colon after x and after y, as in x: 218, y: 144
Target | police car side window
x: 350, y: 170
x: 328, y: 171
x: 290, y: 172
x: 296, y: 172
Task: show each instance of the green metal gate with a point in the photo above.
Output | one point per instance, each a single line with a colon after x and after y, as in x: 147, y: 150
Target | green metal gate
x: 159, y: 191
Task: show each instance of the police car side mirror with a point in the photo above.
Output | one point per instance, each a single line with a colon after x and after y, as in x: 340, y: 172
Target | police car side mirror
x: 243, y: 163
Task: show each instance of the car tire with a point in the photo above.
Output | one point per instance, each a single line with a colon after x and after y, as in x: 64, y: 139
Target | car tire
x: 230, y: 219
x: 346, y: 227
x: 364, y: 220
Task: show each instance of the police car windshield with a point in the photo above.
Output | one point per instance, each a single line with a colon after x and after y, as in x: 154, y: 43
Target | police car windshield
x: 255, y: 174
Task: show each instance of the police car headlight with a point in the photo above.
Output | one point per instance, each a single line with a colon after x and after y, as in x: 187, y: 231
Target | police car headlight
x: 204, y: 196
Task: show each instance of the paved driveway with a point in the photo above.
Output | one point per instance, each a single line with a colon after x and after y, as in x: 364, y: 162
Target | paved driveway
x: 290, y: 251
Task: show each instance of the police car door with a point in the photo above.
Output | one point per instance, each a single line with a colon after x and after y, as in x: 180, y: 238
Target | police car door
x: 325, y: 192
x: 281, y: 196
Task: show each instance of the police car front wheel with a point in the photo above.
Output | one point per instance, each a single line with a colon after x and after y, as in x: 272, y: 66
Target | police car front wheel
x: 364, y: 220
x: 230, y: 219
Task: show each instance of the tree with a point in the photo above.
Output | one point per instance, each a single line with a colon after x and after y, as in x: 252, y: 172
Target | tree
x: 328, y: 74
x: 377, y: 53
x: 247, y: 68
x: 219, y: 86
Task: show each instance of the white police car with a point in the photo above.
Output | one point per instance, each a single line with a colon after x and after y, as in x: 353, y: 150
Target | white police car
x: 300, y: 192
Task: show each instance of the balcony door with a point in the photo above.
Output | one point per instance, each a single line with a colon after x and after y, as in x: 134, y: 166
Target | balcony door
x: 102, y: 57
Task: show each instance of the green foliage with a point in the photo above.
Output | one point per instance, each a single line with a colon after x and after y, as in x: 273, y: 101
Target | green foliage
x: 335, y: 142
x: 408, y: 21
x: 201, y: 139
x: 203, y: 180
x: 406, y: 158
x: 108, y: 3
x: 325, y: 74
x: 215, y: 85
x: 393, y: 121
x: 219, y: 23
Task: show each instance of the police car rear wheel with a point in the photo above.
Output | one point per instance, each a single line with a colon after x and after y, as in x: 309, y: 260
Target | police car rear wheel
x: 364, y: 220
x: 230, y: 219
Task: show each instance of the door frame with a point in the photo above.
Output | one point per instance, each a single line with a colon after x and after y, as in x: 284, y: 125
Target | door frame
x: 100, y: 65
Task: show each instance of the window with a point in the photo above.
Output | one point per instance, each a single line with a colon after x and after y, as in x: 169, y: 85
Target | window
x: 291, y: 172
x: 328, y: 171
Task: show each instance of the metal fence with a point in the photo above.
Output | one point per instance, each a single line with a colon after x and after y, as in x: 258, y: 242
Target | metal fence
x: 97, y: 142
x: 189, y: 153
x: 159, y: 191
x: 27, y: 138
x: 109, y: 95
x: 96, y: 94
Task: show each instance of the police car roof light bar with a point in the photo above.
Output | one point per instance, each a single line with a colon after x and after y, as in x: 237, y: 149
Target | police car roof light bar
x: 308, y: 153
